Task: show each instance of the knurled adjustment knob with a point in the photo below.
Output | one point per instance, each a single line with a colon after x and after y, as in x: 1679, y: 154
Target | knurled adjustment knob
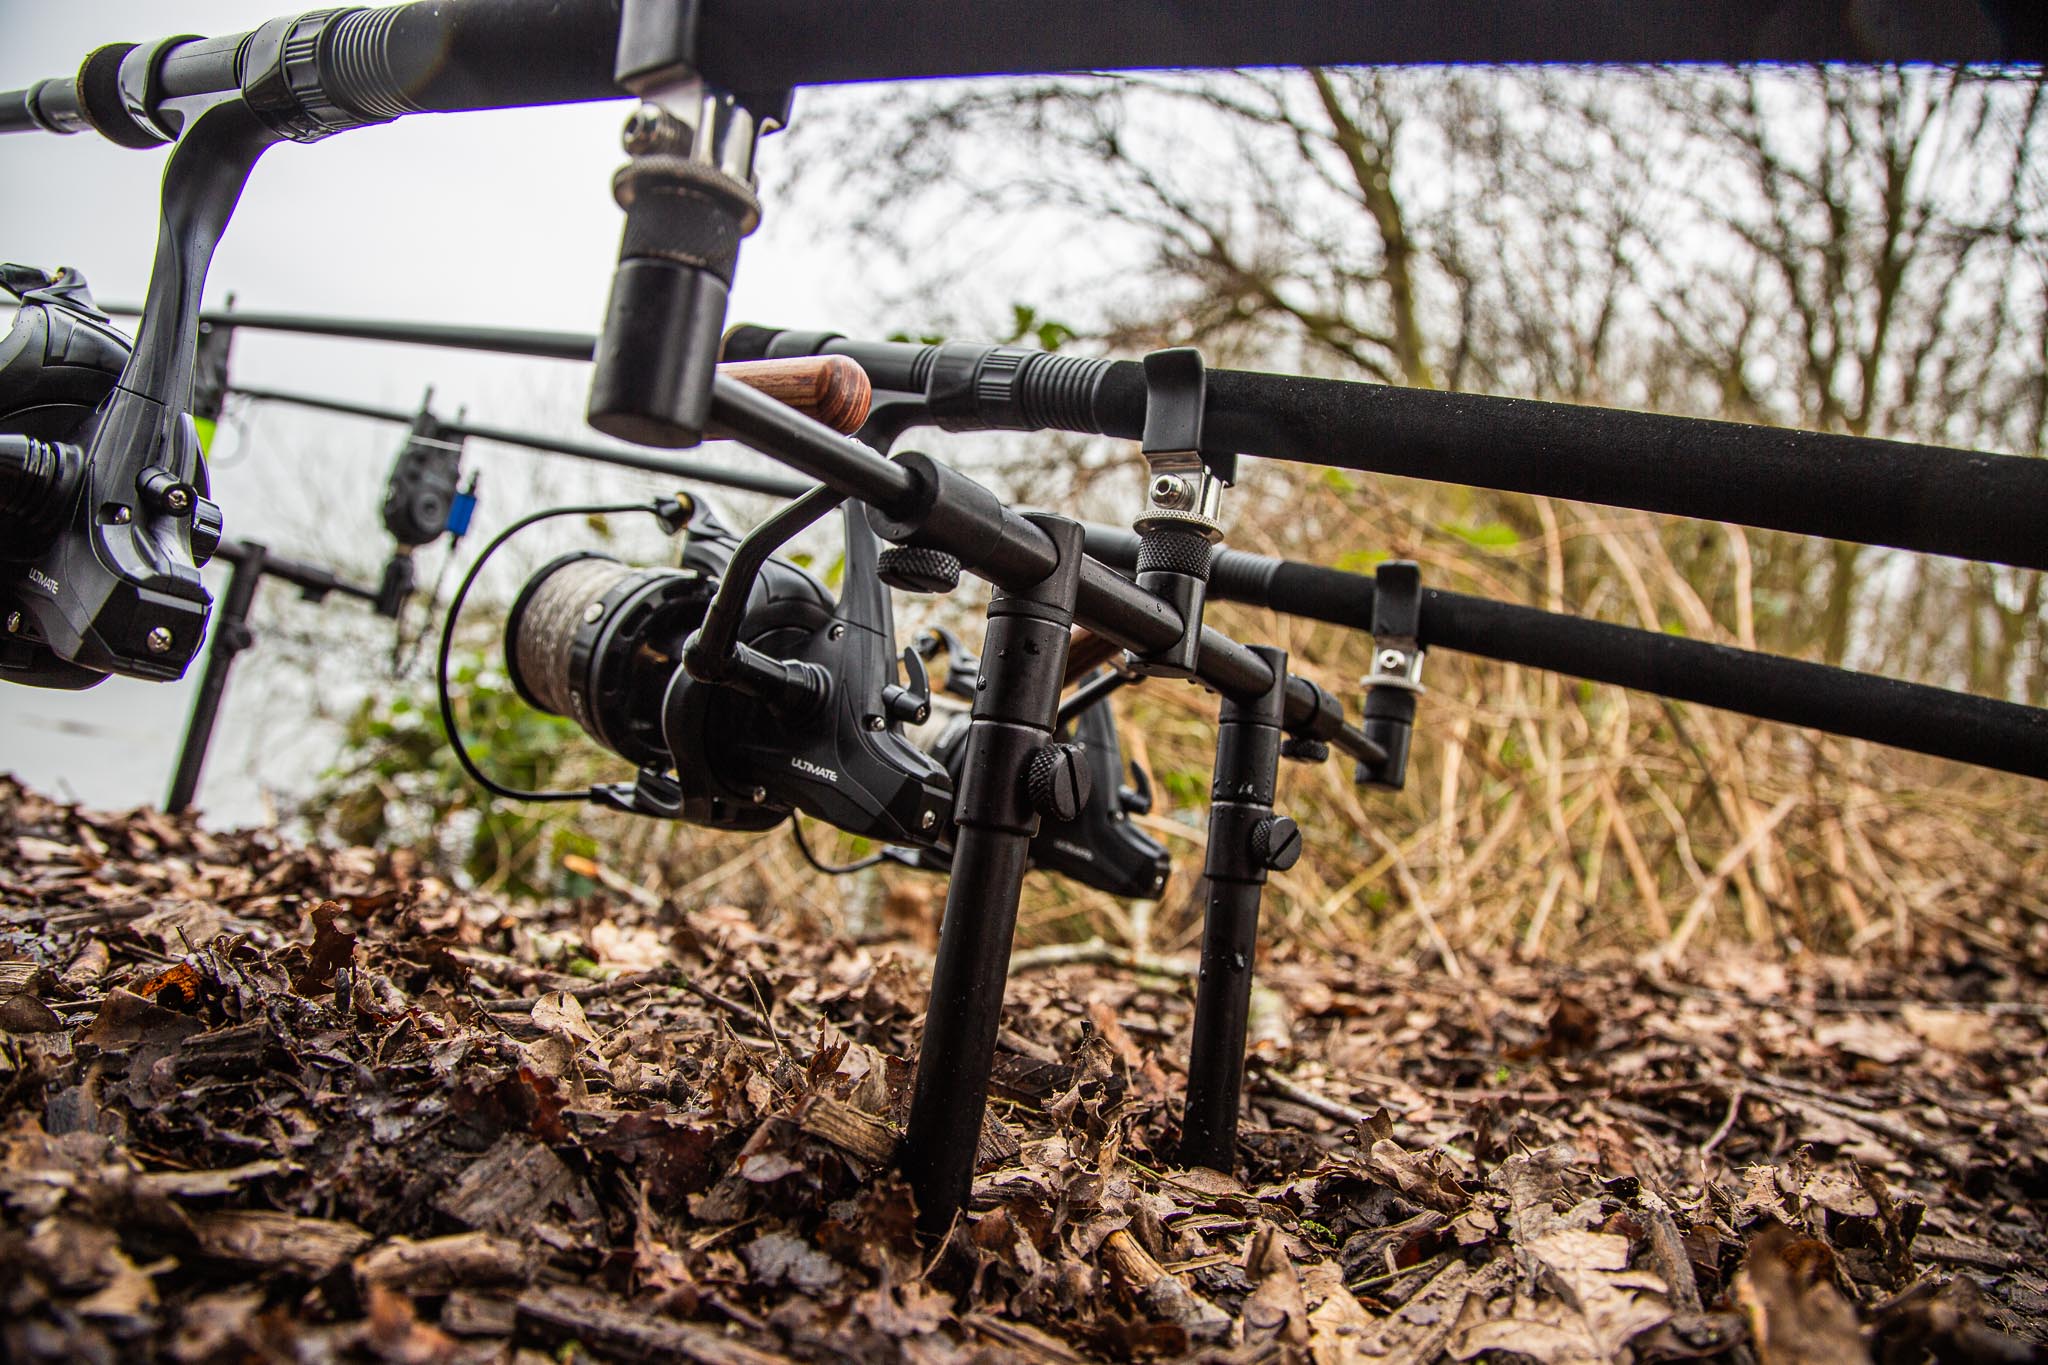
x: 1304, y: 748
x: 914, y: 568
x: 1276, y: 843
x: 1056, y: 781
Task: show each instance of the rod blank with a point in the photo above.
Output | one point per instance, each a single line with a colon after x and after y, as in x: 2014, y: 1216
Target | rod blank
x: 1929, y: 720
x: 1912, y: 497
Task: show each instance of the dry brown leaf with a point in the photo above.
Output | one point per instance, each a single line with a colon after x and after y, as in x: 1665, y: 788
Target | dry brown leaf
x: 1951, y: 1030
x: 1337, y: 1322
x: 1276, y: 1309
x: 1866, y: 1036
x: 560, y: 1012
x: 1796, y: 1315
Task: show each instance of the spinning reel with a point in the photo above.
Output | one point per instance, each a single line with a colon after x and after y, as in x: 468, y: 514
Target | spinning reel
x: 604, y: 644
x: 815, y: 724
x: 99, y: 553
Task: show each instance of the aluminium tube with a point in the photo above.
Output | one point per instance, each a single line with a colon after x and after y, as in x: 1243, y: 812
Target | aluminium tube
x: 520, y: 341
x: 1929, y: 720
x: 230, y: 636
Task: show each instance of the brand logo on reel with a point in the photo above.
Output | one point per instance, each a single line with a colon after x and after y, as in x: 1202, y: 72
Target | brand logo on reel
x: 42, y: 580
x: 805, y: 765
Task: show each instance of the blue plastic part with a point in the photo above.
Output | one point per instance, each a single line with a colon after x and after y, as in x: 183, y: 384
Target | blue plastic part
x: 459, y: 512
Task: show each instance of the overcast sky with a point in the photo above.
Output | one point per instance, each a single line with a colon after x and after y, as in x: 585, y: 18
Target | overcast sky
x: 490, y: 218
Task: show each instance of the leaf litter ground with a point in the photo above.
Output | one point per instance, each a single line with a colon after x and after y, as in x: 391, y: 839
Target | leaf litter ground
x: 261, y: 1102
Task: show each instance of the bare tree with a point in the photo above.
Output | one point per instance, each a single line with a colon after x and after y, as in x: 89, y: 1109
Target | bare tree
x: 1851, y: 251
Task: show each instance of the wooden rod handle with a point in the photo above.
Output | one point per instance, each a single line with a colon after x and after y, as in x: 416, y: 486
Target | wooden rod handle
x: 1087, y: 651
x: 830, y: 388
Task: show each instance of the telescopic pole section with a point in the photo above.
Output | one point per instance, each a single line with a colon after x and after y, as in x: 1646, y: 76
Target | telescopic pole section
x: 1011, y: 773
x: 231, y: 635
x: 1245, y: 840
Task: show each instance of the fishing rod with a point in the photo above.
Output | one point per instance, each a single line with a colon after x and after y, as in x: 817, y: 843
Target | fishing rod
x: 1983, y: 731
x: 1938, y: 721
x: 623, y: 457
x: 360, y: 65
x: 1880, y: 492
x: 1900, y: 494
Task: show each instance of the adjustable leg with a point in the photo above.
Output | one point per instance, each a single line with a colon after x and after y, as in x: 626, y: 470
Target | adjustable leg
x: 1012, y: 772
x: 1245, y: 840
x: 231, y: 635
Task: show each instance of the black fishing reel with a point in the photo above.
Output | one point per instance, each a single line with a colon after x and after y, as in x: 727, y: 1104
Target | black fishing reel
x: 604, y: 644
x: 102, y: 529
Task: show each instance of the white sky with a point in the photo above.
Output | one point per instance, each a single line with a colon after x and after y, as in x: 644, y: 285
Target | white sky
x: 501, y: 218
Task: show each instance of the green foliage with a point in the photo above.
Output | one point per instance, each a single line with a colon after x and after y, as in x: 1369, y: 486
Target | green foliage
x: 1025, y: 322
x: 1496, y: 536
x: 1187, y: 786
x: 396, y: 782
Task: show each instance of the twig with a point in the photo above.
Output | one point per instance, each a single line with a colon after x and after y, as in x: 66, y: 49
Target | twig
x: 765, y: 1015
x: 1844, y: 1004
x: 1883, y: 1125
x: 1306, y: 1098
x: 611, y: 881
x: 603, y: 990
x: 746, y: 1014
x: 1096, y: 953
x: 1418, y: 903
x: 1735, y: 1099
x: 1731, y: 863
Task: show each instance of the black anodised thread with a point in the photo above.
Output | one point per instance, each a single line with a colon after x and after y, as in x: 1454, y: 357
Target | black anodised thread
x: 39, y: 481
x: 355, y: 65
x: 1057, y: 392
x: 921, y: 368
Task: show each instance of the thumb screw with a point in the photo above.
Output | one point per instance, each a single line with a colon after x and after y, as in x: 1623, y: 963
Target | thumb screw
x: 1056, y: 781
x: 1276, y: 843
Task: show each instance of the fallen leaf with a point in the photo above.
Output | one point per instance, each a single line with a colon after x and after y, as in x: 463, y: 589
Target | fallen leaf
x: 1950, y: 1030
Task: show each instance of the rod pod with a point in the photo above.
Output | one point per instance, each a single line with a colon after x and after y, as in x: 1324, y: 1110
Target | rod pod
x: 1013, y: 772
x: 231, y: 634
